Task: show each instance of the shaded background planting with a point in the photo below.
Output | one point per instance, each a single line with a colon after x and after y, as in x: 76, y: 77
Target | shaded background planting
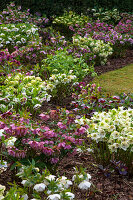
x: 56, y: 7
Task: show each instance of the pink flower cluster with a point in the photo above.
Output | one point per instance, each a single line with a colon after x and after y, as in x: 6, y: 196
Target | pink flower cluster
x: 101, y: 31
x: 30, y: 54
x: 17, y: 131
x: 64, y: 136
x: 7, y: 59
x: 126, y: 27
x: 39, y: 146
x: 16, y: 153
x: 13, y: 14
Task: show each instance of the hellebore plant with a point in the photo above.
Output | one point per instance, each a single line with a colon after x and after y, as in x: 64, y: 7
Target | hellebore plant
x: 17, y: 35
x: 111, y: 134
x: 96, y: 50
x: 14, y: 15
x: 19, y: 89
x: 30, y: 91
x: 62, y: 62
x: 119, y: 40
x: 71, y: 19
x: 25, y: 140
x: 7, y: 62
x: 30, y: 54
x: 88, y: 99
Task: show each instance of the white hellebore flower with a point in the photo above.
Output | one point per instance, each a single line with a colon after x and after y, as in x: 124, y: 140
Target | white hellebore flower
x: 1, y: 132
x: 24, y: 182
x: 25, y: 196
x: 2, y: 189
x: 54, y: 197
x: 81, y: 176
x: 50, y: 177
x: 23, y: 40
x: 88, y: 177
x: 37, y: 106
x: 7, y: 42
x: 10, y: 142
x: 64, y: 182
x: 34, y: 199
x: 84, y: 185
x: 40, y: 187
x: 70, y: 195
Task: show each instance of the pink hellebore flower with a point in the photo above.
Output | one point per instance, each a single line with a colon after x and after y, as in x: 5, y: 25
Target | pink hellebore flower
x: 44, y: 117
x: 62, y: 145
x: 61, y: 125
x: 82, y: 130
x: 116, y: 98
x: 101, y: 100
x: 54, y: 160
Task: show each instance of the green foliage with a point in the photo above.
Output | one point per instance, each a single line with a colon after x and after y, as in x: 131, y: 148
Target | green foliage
x: 56, y: 7
x: 71, y: 19
x: 17, y: 35
x: 15, y: 193
x: 19, y: 89
x: 62, y: 62
x: 109, y: 16
x: 98, y: 50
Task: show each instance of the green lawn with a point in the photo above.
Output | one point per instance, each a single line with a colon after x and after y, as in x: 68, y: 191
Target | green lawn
x: 118, y: 81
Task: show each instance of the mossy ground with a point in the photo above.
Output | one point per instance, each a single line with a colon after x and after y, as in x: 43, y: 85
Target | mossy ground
x: 116, y: 82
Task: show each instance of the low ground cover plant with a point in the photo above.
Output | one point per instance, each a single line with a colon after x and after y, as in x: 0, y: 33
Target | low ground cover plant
x: 46, y: 142
x: 19, y: 89
x: 71, y: 19
x: 30, y: 54
x: 119, y: 40
x: 30, y: 91
x: 37, y: 184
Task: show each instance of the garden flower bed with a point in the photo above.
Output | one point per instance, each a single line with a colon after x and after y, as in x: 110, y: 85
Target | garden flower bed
x: 60, y: 136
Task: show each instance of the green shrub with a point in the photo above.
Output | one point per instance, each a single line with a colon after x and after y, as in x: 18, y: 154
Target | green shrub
x: 62, y: 63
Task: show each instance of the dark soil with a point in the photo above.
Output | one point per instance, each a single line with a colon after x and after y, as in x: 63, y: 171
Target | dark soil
x: 116, y: 186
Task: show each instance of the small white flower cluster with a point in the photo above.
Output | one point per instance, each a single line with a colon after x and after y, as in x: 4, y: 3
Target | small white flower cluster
x: 61, y: 183
x: 114, y: 127
x: 17, y: 34
x: 54, y: 187
x: 10, y: 141
x: 83, y: 181
x: 32, y: 91
x: 60, y: 79
x: 70, y: 19
x: 99, y: 48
